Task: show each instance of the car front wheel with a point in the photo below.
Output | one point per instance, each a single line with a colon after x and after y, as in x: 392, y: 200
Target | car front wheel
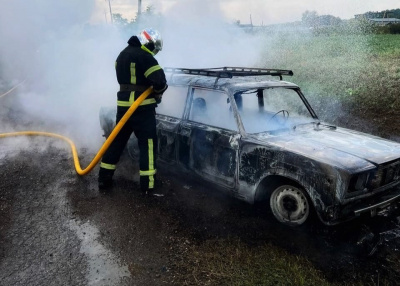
x: 290, y: 205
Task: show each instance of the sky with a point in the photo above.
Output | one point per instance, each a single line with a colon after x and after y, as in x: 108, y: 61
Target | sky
x: 261, y: 12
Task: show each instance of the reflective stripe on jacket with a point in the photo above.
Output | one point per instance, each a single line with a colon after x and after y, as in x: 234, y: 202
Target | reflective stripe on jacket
x: 136, y: 65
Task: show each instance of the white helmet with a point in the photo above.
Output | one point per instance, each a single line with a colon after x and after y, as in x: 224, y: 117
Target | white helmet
x: 151, y: 39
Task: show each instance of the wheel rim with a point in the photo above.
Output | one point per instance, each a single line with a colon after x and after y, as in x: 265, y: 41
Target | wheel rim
x: 289, y: 205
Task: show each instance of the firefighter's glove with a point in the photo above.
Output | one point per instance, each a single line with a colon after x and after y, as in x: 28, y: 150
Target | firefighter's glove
x: 158, y: 97
x: 158, y: 94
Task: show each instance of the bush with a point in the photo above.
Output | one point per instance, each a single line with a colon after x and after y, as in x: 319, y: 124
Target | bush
x: 381, y: 30
x: 394, y: 29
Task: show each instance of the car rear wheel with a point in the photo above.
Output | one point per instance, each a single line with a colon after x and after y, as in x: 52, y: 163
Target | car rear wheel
x: 290, y: 205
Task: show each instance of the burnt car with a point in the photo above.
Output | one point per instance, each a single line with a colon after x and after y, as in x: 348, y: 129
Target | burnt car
x: 257, y: 137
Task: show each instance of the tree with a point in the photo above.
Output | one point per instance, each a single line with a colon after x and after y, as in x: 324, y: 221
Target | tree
x: 312, y: 19
x: 309, y: 18
x: 394, y: 13
x: 119, y: 20
x: 394, y: 29
x: 145, y: 18
x: 329, y: 20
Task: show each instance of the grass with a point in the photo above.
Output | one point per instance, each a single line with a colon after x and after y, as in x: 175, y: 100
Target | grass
x: 343, y: 75
x: 230, y: 262
x: 235, y: 263
x: 384, y: 45
x: 354, y: 69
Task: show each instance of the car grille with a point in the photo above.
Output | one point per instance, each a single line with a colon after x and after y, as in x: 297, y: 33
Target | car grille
x: 385, y: 175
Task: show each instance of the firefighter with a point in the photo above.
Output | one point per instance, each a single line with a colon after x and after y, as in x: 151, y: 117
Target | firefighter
x: 137, y: 70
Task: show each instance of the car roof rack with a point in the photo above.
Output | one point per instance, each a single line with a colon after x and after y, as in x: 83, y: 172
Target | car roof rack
x: 229, y: 72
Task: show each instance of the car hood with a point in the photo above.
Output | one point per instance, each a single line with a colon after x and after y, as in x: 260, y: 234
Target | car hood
x: 344, y: 148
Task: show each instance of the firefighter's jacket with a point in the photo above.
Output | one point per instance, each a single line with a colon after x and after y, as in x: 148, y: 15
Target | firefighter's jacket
x: 137, y: 68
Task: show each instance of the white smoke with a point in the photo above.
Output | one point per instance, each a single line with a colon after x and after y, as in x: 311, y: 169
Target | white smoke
x: 68, y: 63
x: 198, y: 36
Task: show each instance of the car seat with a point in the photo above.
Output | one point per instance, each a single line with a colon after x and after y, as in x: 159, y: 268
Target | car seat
x: 199, y: 106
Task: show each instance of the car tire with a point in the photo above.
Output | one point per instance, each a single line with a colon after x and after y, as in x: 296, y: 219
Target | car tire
x: 290, y: 205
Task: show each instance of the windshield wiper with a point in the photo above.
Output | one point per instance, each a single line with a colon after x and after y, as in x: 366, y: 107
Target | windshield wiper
x: 307, y: 123
x: 327, y: 125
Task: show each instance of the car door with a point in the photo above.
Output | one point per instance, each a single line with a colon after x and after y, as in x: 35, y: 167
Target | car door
x: 208, y: 139
x: 169, y: 117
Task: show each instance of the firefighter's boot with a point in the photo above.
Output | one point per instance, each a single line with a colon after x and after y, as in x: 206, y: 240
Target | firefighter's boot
x: 105, y: 179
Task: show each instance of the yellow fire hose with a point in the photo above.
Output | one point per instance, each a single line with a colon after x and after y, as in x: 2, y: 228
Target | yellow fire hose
x: 103, y: 148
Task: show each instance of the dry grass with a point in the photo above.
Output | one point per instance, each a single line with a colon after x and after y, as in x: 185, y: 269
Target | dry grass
x: 231, y: 262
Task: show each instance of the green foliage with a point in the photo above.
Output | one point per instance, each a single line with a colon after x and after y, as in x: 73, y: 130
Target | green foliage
x: 394, y: 29
x: 373, y: 28
x: 359, y: 26
x: 312, y: 19
x: 309, y: 18
x: 358, y: 72
x: 394, y: 13
x: 119, y: 20
x: 381, y: 30
x: 365, y: 26
x: 144, y: 19
x: 383, y: 45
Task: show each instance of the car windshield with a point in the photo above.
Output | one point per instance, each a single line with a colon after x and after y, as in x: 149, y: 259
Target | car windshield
x: 265, y: 110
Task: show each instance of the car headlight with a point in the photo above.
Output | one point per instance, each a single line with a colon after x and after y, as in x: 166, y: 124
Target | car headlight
x: 376, y: 179
x: 359, y: 182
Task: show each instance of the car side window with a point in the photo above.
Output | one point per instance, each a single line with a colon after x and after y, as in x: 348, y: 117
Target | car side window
x: 212, y: 108
x: 173, y: 101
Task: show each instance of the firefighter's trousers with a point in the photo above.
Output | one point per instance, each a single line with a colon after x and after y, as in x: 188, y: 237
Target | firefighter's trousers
x: 143, y: 124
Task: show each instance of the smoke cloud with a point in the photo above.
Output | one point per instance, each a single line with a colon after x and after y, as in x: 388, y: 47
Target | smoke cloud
x: 197, y: 35
x: 68, y: 62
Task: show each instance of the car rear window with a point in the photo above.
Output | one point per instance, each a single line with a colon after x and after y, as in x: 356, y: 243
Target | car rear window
x: 173, y: 101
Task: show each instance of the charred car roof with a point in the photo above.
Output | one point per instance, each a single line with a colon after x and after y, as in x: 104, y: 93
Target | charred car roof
x: 229, y: 78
